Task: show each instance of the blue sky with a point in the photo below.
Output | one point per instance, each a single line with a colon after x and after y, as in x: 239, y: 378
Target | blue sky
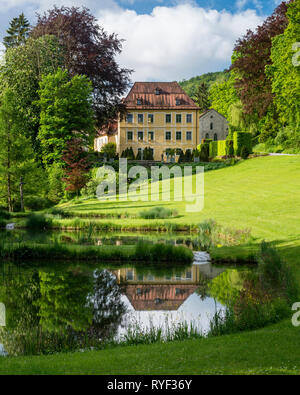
x: 262, y: 6
x: 165, y: 40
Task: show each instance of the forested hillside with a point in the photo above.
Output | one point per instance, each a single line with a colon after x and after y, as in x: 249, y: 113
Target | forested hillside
x: 190, y: 86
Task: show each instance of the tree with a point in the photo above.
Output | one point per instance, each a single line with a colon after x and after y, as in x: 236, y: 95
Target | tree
x: 76, y: 166
x: 202, y: 97
x: 16, y: 154
x: 284, y: 74
x: 89, y: 51
x: 66, y: 113
x: 22, y: 71
x: 18, y: 32
x: 222, y: 95
x: 251, y: 55
x: 109, y: 149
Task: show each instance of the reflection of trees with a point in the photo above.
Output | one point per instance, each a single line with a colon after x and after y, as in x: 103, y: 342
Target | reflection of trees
x: 63, y: 300
x: 52, y: 311
x: 225, y: 288
x: 106, y: 304
x: 20, y: 290
x: 202, y: 290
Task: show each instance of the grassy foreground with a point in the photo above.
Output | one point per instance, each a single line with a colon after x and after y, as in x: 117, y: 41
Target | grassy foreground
x: 271, y: 350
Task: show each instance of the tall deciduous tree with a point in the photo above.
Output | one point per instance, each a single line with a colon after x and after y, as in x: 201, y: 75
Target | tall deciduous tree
x: 284, y: 73
x: 66, y: 113
x: 76, y: 166
x: 22, y: 71
x: 16, y: 154
x: 18, y: 32
x: 251, y: 56
x: 90, y: 51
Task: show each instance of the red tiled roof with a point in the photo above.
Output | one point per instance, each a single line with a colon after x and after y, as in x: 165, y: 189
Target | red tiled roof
x: 158, y: 297
x: 170, y: 93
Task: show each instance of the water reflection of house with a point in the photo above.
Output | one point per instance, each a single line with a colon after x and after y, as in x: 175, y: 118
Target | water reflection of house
x: 150, y: 292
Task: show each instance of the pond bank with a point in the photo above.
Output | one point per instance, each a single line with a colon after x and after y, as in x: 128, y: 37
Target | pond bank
x: 152, y: 253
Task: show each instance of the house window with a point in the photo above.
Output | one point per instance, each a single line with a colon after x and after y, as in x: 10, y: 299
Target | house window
x: 157, y: 91
x: 168, y: 136
x: 140, y: 118
x: 188, y: 136
x: 178, y: 118
x: 211, y: 126
x: 178, y: 136
x: 150, y: 118
x: 140, y: 136
x: 188, y: 118
x: 168, y: 118
x: 129, y: 118
x: 150, y: 136
x: 215, y: 137
x: 207, y: 136
x: 139, y: 102
x: 188, y: 275
x: 129, y: 136
x: 129, y: 275
x: 178, y: 102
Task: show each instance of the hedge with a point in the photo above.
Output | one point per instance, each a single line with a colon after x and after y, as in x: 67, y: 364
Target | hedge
x: 219, y: 148
x: 241, y: 139
x: 222, y: 147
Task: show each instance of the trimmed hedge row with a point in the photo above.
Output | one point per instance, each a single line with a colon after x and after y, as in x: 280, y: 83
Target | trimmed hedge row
x: 241, y: 139
x: 231, y: 147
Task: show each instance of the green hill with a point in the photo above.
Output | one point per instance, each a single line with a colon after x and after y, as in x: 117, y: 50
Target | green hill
x: 190, y: 86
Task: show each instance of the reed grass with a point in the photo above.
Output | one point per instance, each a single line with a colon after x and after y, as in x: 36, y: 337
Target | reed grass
x: 142, y: 252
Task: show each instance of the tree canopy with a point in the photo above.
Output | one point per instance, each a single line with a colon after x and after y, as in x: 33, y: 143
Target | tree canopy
x: 90, y: 51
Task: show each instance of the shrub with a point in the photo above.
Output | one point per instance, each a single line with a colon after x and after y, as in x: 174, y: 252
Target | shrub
x: 38, y: 221
x: 188, y: 156
x: 158, y: 213
x: 128, y: 153
x: 204, y: 152
x: 109, y: 150
x: 244, y: 152
x: 241, y: 139
x: 229, y: 148
x: 36, y: 203
x: 4, y: 215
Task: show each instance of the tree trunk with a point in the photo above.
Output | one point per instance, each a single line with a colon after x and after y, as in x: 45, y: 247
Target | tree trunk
x: 21, y: 194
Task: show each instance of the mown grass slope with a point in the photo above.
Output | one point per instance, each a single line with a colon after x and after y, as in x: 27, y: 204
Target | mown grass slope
x: 271, y: 350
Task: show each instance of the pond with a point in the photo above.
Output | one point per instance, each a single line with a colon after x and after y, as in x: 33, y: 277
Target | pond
x: 62, y: 307
x: 67, y: 307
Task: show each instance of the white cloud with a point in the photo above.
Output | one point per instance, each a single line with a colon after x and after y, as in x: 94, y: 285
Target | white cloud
x: 177, y: 42
x: 240, y: 4
x: 32, y: 6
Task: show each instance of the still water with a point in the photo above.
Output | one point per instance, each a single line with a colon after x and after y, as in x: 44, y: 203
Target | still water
x: 61, y: 307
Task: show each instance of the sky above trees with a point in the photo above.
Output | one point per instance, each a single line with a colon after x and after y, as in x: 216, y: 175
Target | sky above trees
x: 164, y: 39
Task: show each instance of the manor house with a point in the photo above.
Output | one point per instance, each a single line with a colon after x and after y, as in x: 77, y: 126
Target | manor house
x: 161, y: 116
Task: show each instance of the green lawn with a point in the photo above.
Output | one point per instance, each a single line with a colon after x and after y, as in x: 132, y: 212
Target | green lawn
x: 272, y: 350
x: 262, y: 194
